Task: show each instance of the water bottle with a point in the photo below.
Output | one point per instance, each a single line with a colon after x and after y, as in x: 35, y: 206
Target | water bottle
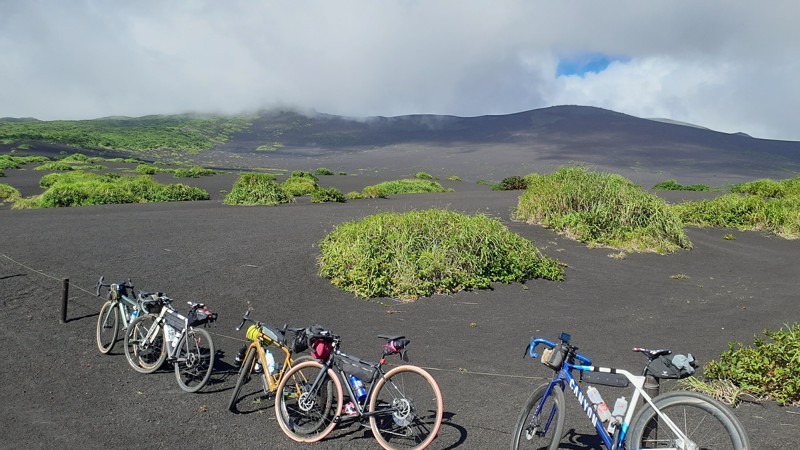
x: 620, y: 406
x: 134, y: 314
x: 358, y: 387
x: 270, y: 362
x: 170, y: 333
x: 600, y: 406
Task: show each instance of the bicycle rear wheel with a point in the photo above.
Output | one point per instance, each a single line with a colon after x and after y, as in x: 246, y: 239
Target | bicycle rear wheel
x: 195, y: 361
x: 107, y: 327
x: 541, y: 423
x: 244, y: 377
x: 305, y: 415
x: 705, y: 421
x: 145, y: 356
x: 409, y: 406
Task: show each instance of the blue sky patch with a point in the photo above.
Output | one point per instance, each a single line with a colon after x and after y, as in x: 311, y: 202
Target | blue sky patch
x: 583, y: 64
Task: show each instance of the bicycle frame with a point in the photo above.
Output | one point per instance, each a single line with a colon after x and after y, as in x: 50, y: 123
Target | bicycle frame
x: 563, y: 379
x: 258, y: 347
x: 377, y: 372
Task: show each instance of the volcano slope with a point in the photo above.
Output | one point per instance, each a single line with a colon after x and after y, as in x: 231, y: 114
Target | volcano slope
x: 61, y: 393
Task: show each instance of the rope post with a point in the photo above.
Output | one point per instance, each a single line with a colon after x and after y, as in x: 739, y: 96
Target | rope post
x: 64, y: 298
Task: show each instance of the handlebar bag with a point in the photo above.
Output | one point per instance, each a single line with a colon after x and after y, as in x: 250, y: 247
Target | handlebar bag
x: 672, y: 366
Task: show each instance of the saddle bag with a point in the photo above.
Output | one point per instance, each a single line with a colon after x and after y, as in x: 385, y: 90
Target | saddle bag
x: 672, y: 366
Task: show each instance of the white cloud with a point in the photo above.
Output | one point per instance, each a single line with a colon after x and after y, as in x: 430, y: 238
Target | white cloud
x: 728, y: 65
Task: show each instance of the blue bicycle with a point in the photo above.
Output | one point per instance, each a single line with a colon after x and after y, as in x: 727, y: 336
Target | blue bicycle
x: 677, y: 420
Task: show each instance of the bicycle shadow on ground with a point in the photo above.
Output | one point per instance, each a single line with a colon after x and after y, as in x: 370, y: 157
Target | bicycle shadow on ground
x: 352, y: 429
x: 576, y: 441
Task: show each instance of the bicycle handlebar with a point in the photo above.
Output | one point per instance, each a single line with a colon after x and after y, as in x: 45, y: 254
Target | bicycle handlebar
x: 531, y: 350
x: 128, y: 284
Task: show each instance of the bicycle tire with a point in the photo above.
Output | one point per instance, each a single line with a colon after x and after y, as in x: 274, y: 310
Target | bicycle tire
x: 529, y: 423
x: 683, y: 409
x: 193, y: 369
x: 244, y: 377
x: 304, y: 416
x: 415, y: 401
x: 150, y: 358
x: 107, y: 327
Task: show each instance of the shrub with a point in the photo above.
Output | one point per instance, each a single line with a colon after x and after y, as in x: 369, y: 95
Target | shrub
x: 74, y: 176
x: 323, y: 171
x: 323, y: 195
x: 8, y: 192
x: 672, y: 185
x: 257, y: 189
x: 373, y: 192
x: 601, y: 209
x: 420, y: 253
x: 303, y: 174
x: 408, y: 186
x: 147, y: 169
x: 482, y: 183
x: 194, y: 172
x: 354, y: 195
x: 769, y: 188
x: 55, y: 165
x: 453, y: 178
x: 342, y: 173
x: 780, y: 216
x: 768, y: 368
x: 511, y: 184
x: 15, y: 162
x: 81, y: 189
x: 79, y: 157
x: 423, y: 176
x: 299, y: 186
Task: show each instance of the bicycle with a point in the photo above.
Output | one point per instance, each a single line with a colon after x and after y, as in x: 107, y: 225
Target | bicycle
x: 260, y: 336
x: 169, y: 336
x: 403, y: 405
x: 121, y: 306
x: 678, y: 419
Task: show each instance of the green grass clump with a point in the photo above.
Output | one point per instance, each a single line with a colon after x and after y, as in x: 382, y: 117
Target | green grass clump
x: 420, y: 253
x: 303, y: 174
x: 8, y: 193
x: 423, y: 176
x: 83, y: 189
x: 354, y: 195
x: 672, y: 185
x: 453, y: 178
x: 55, y: 165
x: 299, y: 186
x: 769, y: 368
x: 257, y: 189
x: 323, y: 171
x: 88, y: 167
x: 769, y: 188
x: 193, y: 172
x: 780, y: 216
x: 323, y: 195
x: 601, y: 210
x: 80, y: 158
x: 408, y: 186
x: 8, y: 161
x: 513, y: 183
x: 74, y: 176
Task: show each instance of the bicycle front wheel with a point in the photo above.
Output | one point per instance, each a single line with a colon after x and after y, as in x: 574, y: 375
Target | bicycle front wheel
x: 307, y: 415
x: 704, y: 421
x: 407, y: 408
x: 541, y: 422
x: 145, y: 355
x: 107, y: 327
x: 195, y: 360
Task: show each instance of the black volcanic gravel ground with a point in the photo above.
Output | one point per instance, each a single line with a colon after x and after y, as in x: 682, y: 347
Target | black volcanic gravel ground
x: 61, y: 393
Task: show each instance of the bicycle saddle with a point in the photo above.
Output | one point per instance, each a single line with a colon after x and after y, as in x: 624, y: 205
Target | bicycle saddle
x: 390, y: 337
x: 653, y: 354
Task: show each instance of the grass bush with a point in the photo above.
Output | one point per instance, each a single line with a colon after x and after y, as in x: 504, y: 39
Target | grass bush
x: 79, y: 158
x: 55, y: 165
x: 769, y: 368
x: 8, y: 161
x: 780, y: 216
x: 74, y: 176
x: 407, y: 186
x: 423, y: 176
x: 354, y: 195
x: 193, y: 172
x: 672, y: 185
x: 82, y: 189
x: 299, y: 186
x: 513, y: 183
x: 323, y: 171
x: 303, y: 174
x: 420, y: 253
x: 257, y: 189
x: 8, y: 193
x: 453, y: 178
x: 769, y: 188
x: 601, y: 209
x: 323, y: 195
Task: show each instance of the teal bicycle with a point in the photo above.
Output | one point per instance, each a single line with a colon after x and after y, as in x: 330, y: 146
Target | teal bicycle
x: 121, y: 308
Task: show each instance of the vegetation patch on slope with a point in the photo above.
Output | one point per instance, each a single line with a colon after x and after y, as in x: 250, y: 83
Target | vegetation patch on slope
x: 601, y: 210
x: 420, y: 253
x: 257, y: 189
x: 780, y: 216
x: 82, y: 189
x: 407, y: 186
x: 672, y: 185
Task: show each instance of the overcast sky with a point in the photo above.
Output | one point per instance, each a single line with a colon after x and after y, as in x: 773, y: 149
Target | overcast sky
x: 729, y: 65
